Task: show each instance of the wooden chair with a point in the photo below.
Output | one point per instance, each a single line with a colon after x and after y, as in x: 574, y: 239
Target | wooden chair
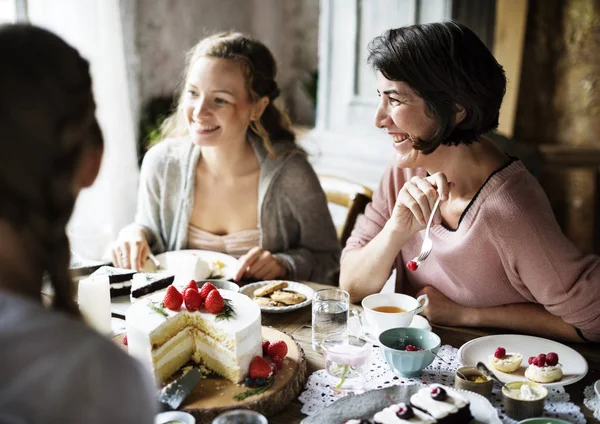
x: 349, y: 194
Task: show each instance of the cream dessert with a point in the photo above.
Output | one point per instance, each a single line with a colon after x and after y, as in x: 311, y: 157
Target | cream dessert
x: 164, y: 340
x: 544, y: 368
x: 506, y: 362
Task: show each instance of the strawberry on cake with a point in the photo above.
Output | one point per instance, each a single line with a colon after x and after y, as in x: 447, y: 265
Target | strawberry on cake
x: 544, y: 368
x: 217, y: 328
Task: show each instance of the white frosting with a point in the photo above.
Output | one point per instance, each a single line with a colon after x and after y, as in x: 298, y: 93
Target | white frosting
x: 546, y: 374
x: 233, y: 342
x: 388, y: 416
x: 525, y: 392
x: 188, y: 267
x: 438, y: 409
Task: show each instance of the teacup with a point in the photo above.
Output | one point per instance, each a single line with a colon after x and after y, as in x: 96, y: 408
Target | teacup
x: 392, y: 310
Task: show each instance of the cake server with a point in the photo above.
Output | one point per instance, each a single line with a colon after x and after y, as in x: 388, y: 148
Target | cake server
x: 173, y: 394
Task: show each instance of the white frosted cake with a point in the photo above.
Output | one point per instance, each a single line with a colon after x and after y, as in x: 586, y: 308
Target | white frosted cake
x: 165, y: 343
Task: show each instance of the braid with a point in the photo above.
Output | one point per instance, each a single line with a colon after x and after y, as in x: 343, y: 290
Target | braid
x: 48, y: 83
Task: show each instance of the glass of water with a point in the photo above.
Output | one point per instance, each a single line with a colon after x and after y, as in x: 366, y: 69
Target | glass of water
x: 240, y: 416
x: 329, y: 314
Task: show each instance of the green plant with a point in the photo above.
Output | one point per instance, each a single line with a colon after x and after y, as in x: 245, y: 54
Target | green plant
x: 156, y: 110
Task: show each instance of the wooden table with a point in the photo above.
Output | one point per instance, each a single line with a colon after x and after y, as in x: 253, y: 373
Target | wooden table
x: 298, y: 325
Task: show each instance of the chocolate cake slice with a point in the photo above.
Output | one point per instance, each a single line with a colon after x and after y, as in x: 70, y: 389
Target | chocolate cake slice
x: 444, y: 404
x: 144, y: 284
x: 119, y: 279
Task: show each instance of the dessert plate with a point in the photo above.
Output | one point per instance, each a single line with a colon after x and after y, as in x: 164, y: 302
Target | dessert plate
x: 357, y: 321
x: 369, y: 403
x: 248, y: 290
x: 597, y: 388
x: 574, y: 365
x: 224, y: 267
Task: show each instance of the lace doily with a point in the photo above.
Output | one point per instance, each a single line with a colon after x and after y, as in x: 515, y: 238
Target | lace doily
x: 319, y: 394
x: 592, y: 401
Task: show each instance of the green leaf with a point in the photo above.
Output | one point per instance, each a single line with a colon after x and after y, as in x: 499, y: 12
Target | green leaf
x: 255, y: 391
x: 157, y: 309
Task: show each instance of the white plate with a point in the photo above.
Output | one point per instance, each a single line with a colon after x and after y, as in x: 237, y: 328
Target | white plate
x: 597, y: 388
x: 574, y: 365
x: 369, y: 403
x: 248, y: 290
x: 231, y: 263
x: 354, y: 324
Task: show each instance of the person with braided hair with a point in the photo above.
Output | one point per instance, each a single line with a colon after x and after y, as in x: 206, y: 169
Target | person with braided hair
x: 229, y: 177
x: 54, y: 368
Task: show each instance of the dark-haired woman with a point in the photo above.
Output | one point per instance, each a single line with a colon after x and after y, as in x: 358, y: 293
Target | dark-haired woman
x: 54, y: 368
x: 499, y: 258
x: 229, y: 176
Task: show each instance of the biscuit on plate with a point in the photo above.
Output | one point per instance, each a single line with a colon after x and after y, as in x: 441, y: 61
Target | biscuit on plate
x: 266, y: 301
x: 270, y: 288
x: 288, y: 297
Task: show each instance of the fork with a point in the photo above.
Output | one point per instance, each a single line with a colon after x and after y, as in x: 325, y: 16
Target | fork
x: 427, y: 243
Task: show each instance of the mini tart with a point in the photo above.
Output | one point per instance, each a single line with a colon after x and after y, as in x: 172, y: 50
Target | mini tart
x: 510, y: 362
x: 547, y: 374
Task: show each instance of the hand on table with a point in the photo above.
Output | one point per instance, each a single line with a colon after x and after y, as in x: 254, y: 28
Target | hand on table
x: 131, y: 249
x: 443, y: 311
x: 415, y: 202
x: 260, y: 264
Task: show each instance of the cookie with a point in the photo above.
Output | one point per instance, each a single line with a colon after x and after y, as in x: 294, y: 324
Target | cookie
x: 270, y: 288
x: 288, y: 297
x: 266, y: 301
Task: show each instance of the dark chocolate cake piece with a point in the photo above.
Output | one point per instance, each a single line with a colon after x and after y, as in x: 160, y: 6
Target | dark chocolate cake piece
x: 144, y: 284
x: 119, y: 279
x: 446, y: 405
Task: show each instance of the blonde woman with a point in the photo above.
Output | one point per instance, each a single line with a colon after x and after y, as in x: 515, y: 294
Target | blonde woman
x: 229, y: 177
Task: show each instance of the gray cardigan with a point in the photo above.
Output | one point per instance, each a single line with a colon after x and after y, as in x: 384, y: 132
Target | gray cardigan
x: 294, y: 219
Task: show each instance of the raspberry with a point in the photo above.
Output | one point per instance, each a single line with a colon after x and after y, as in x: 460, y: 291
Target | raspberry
x: 278, y: 349
x: 192, y: 300
x: 265, y: 347
x: 214, y: 302
x: 551, y: 359
x: 278, y: 362
x: 531, y: 360
x: 412, y: 265
x: 125, y: 339
x: 500, y: 352
x: 541, y: 360
x: 173, y: 299
x: 411, y: 348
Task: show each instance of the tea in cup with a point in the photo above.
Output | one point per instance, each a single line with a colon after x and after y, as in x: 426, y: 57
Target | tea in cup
x: 391, y: 310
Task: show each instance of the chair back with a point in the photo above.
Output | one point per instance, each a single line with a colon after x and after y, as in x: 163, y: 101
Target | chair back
x: 348, y: 194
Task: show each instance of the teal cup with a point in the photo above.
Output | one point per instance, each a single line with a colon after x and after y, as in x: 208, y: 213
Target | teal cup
x: 407, y: 363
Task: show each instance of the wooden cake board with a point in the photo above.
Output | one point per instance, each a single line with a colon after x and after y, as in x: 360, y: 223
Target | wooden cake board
x: 214, y: 395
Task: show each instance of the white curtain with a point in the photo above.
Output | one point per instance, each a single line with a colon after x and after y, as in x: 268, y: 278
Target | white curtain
x: 94, y: 28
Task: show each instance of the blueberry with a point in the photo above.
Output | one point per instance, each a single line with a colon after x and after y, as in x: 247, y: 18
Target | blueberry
x: 249, y: 382
x: 261, y: 381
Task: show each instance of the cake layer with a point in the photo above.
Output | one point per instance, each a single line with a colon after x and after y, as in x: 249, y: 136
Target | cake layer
x: 144, y: 283
x: 390, y: 415
x: 451, y: 408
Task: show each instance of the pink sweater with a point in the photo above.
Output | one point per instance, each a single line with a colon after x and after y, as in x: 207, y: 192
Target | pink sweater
x: 508, y: 248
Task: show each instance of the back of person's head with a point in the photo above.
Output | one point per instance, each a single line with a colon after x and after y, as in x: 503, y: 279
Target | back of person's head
x: 259, y: 69
x: 47, y: 122
x: 447, y: 65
